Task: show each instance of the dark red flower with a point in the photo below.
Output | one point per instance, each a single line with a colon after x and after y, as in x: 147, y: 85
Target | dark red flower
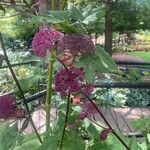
x: 69, y: 81
x: 104, y: 133
x: 76, y: 44
x: 7, y: 106
x: 88, y: 89
x: 43, y: 40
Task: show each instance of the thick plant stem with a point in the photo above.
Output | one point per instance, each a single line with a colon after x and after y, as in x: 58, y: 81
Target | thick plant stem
x: 66, y: 121
x: 64, y: 4
x: 20, y: 89
x: 49, y: 91
x: 101, y: 114
x: 53, y: 3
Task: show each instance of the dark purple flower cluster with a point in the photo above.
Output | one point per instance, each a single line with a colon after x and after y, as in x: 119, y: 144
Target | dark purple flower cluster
x: 7, y: 106
x: 69, y: 81
x: 43, y: 40
x: 89, y: 107
x: 76, y: 44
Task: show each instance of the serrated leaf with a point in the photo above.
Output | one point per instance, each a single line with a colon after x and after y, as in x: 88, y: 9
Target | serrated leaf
x: 106, y: 60
x: 148, y: 137
x: 96, y: 144
x: 87, y: 11
x: 29, y: 82
x: 50, y: 143
x: 90, y: 18
x: 53, y: 17
x: 99, y: 62
x: 8, y: 135
x: 58, y: 16
x: 75, y: 12
x: 30, y: 142
x: 92, y: 131
x: 29, y: 145
x: 133, y: 144
x: 72, y: 141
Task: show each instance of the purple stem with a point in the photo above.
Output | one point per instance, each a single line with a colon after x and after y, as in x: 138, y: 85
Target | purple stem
x: 101, y: 114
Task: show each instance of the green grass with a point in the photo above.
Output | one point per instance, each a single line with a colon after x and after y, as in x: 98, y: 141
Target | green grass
x: 141, y: 54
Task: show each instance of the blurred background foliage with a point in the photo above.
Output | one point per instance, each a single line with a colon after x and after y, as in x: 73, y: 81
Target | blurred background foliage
x: 130, y: 18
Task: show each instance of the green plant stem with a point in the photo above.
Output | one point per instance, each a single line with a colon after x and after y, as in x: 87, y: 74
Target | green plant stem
x: 64, y: 4
x: 97, y: 124
x: 19, y: 87
x: 49, y: 90
x: 66, y: 121
x: 53, y: 3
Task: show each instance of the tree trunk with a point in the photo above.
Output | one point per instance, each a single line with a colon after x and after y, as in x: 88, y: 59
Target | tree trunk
x: 108, y: 27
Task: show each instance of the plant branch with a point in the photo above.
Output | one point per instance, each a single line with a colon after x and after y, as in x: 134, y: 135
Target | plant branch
x: 19, y: 87
x: 53, y: 3
x: 97, y: 124
x: 59, y: 60
x: 49, y: 90
x: 66, y: 121
x: 101, y: 114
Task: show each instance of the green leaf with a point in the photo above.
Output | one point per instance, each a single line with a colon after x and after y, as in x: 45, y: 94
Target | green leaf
x: 87, y: 11
x: 75, y: 13
x: 29, y: 145
x: 133, y: 144
x: 106, y: 60
x: 8, y: 135
x: 30, y: 142
x: 68, y: 28
x: 58, y: 16
x: 96, y: 144
x: 90, y: 18
x: 148, y: 137
x: 92, y: 131
x: 99, y: 62
x: 53, y: 17
x: 50, y: 143
x: 72, y: 141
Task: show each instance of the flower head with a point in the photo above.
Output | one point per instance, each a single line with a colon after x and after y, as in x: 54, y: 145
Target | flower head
x: 43, y: 40
x: 7, y: 106
x: 88, y: 89
x: 89, y: 107
x: 76, y: 44
x: 69, y: 81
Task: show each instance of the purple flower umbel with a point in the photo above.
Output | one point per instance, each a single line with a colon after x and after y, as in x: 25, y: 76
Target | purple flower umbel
x: 69, y: 81
x: 43, y: 40
x: 7, y: 106
x: 76, y: 44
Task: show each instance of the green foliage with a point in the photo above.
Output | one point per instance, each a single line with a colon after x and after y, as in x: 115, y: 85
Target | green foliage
x: 8, y: 135
x: 100, y: 62
x: 10, y: 139
x: 141, y: 54
x: 72, y: 20
x: 142, y: 124
x: 126, y: 12
x: 73, y: 141
x: 17, y: 28
x: 138, y: 97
